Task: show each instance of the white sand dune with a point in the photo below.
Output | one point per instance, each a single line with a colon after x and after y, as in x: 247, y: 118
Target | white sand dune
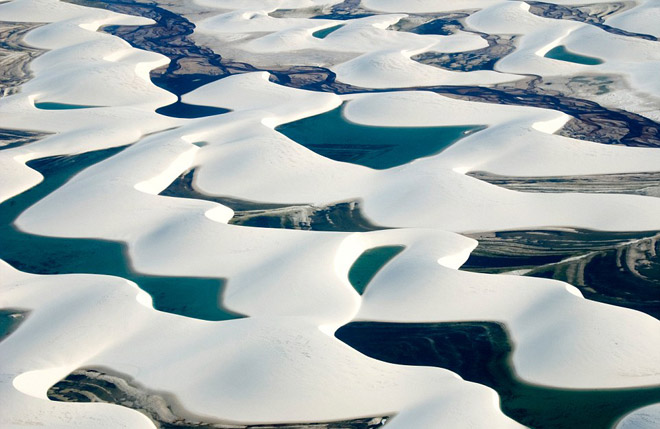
x: 167, y: 236
x: 296, y: 372
x: 84, y: 67
x: 633, y: 59
x: 644, y: 418
x: 395, y: 69
x: 434, y: 188
x: 291, y: 284
x: 643, y: 18
x: 264, y: 4
x: 430, y: 6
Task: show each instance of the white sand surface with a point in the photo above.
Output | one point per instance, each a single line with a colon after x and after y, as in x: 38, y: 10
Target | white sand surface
x: 292, y: 284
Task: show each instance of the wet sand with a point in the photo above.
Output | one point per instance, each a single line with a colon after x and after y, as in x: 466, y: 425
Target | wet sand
x: 616, y: 268
x: 103, y: 385
x: 15, y: 56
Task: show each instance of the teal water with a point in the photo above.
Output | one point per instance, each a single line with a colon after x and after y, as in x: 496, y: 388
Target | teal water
x: 481, y: 352
x: 333, y: 136
x: 60, y: 106
x: 369, y: 263
x: 10, y: 319
x: 186, y: 296
x: 562, y: 54
x: 321, y: 34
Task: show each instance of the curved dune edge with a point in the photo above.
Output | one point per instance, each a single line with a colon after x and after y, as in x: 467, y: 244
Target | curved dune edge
x: 364, y: 53
x: 293, y: 284
x: 643, y: 418
x: 82, y: 67
x: 631, y: 58
x: 282, y: 362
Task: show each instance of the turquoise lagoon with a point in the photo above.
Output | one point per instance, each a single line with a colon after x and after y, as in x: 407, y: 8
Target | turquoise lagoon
x: 562, y: 54
x: 331, y: 135
x: 321, y: 34
x: 196, y: 297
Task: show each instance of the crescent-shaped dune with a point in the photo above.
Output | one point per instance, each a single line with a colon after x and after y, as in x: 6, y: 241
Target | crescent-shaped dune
x: 306, y: 136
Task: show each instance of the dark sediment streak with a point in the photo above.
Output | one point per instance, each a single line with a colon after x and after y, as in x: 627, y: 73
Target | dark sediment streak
x: 583, y: 14
x: 14, y: 138
x: 480, y: 352
x: 92, y: 385
x: 480, y: 59
x: 626, y: 276
x: 186, y: 296
x: 498, y: 47
x: 15, y: 56
x: 621, y: 268
x: 193, y: 66
x: 343, y: 216
x: 348, y: 9
x: 604, y: 124
x: 340, y: 217
x: 625, y: 183
x: 443, y: 24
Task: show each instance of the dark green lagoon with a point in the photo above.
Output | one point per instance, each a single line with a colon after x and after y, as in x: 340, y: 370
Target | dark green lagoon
x: 369, y: 263
x: 481, y: 352
x: 331, y: 135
